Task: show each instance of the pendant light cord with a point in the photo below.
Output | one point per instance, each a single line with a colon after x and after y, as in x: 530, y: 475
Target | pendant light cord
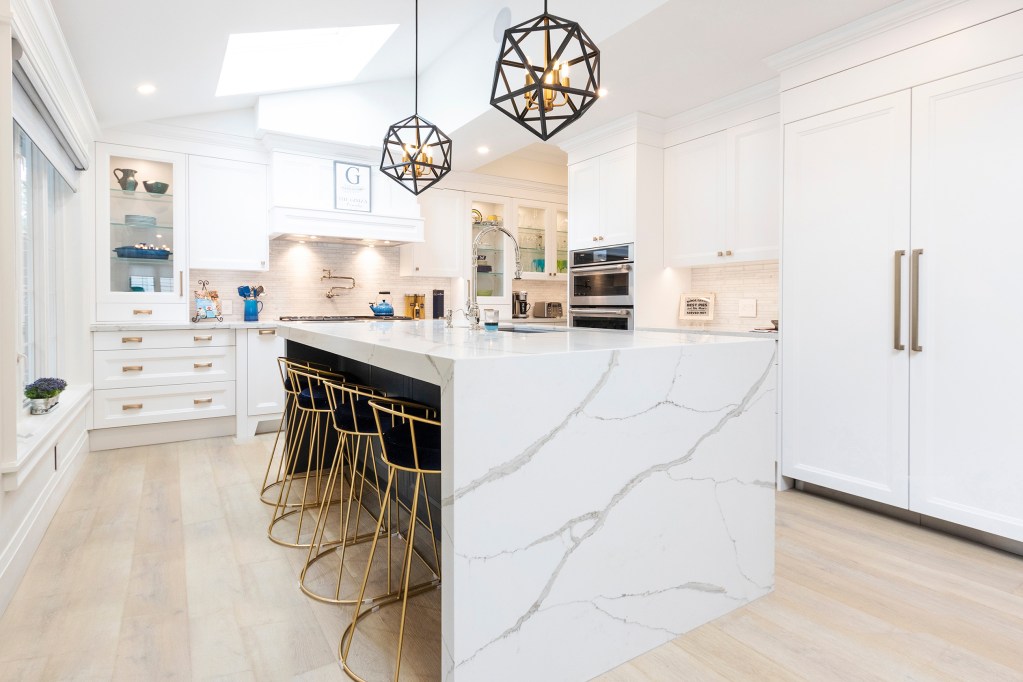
x: 417, y: 60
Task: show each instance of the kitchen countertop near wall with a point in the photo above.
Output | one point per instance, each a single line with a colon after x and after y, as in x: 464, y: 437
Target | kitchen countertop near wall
x: 730, y: 284
x: 294, y: 285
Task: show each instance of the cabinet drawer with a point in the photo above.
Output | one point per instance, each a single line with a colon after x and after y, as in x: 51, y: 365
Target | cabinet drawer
x: 156, y: 404
x: 141, y: 312
x: 162, y: 367
x: 163, y: 338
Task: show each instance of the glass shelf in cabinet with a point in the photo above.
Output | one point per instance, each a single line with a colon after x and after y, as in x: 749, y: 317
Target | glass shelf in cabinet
x: 139, y: 196
x: 148, y: 261
x: 136, y: 226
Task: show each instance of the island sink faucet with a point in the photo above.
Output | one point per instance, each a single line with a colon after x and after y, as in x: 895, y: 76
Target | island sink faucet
x: 472, y: 312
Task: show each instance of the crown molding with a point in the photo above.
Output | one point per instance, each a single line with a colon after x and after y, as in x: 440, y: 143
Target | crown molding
x: 501, y: 186
x: 275, y: 142
x: 856, y: 31
x: 638, y: 127
x: 48, y: 62
x: 186, y: 134
x: 761, y: 92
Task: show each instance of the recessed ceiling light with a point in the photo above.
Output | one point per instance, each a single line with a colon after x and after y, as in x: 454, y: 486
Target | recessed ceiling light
x: 277, y: 61
x: 146, y: 89
x: 483, y: 150
x: 387, y: 241
x: 313, y: 237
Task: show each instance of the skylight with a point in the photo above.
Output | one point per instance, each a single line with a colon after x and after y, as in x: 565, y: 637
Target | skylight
x: 277, y: 61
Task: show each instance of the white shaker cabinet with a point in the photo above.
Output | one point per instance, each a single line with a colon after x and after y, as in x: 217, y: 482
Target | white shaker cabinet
x: 444, y: 253
x: 228, y: 214
x: 721, y: 196
x: 965, y: 423
x: 265, y: 388
x: 602, y: 199
x: 901, y: 239
x: 844, y: 399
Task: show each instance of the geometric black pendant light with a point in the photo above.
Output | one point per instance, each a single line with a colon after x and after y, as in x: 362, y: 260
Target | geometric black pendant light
x: 416, y: 152
x: 531, y: 77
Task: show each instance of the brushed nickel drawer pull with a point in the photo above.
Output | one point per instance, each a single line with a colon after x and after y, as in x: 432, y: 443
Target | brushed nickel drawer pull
x: 203, y: 338
x: 131, y: 339
x: 200, y: 365
x: 134, y: 406
x: 200, y: 401
x: 139, y: 311
x: 131, y: 368
x: 263, y: 332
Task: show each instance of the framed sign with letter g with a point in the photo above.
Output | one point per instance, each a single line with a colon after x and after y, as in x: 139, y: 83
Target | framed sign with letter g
x: 351, y: 187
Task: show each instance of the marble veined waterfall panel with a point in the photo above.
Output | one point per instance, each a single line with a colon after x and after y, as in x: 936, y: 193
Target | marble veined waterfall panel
x: 599, y: 504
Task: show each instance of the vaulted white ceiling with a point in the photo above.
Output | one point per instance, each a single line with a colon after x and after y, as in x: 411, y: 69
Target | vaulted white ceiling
x: 660, y: 57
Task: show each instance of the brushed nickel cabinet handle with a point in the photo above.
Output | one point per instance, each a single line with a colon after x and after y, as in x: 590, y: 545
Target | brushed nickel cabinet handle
x: 134, y: 406
x: 914, y: 304
x: 720, y: 253
x: 728, y: 253
x: 200, y: 365
x: 137, y: 311
x: 181, y: 283
x: 897, y: 323
x: 203, y: 338
x: 131, y: 368
x: 201, y: 401
x: 263, y: 332
x: 131, y: 339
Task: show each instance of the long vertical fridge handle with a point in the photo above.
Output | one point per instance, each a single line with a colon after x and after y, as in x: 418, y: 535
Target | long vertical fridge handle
x: 914, y: 304
x: 897, y: 342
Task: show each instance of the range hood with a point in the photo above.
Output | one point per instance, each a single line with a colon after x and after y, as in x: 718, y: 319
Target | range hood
x: 302, y: 204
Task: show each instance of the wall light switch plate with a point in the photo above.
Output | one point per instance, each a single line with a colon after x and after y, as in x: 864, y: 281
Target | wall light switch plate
x: 747, y: 307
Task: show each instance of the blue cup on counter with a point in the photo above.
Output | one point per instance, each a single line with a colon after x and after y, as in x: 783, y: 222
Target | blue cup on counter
x: 252, y: 309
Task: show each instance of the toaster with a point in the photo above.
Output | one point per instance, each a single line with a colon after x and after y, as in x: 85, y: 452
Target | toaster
x: 547, y: 309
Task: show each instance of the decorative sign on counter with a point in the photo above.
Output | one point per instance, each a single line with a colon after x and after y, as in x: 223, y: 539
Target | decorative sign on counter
x: 352, y: 187
x: 696, y: 307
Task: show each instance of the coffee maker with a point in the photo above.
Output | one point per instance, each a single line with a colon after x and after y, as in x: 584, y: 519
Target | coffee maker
x: 520, y: 308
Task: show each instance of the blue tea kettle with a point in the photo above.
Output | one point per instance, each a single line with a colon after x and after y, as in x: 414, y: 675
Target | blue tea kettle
x: 383, y: 308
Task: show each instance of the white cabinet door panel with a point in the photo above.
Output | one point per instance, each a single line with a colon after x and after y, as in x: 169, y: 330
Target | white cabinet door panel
x: 966, y: 426
x: 265, y: 387
x: 445, y: 249
x: 694, y: 199
x: 618, y: 197
x: 228, y: 214
x: 753, y: 211
x: 583, y: 203
x: 844, y: 386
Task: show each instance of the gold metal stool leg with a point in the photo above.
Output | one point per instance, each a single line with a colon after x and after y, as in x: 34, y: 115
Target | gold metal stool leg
x: 285, y: 507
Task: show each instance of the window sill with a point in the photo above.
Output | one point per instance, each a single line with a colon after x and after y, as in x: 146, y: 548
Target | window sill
x: 37, y: 435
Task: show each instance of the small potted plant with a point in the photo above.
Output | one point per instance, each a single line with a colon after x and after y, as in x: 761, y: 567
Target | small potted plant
x: 44, y: 394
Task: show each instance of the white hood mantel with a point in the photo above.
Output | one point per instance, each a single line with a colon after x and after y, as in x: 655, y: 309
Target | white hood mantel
x: 302, y: 203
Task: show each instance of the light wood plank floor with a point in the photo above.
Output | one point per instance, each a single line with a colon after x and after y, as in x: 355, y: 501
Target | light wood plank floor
x: 157, y: 567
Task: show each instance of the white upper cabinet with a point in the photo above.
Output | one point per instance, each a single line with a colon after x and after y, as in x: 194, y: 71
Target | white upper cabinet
x: 721, y: 196
x: 444, y: 252
x: 228, y: 214
x: 602, y: 199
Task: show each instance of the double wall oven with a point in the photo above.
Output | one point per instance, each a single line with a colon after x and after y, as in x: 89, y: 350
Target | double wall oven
x: 602, y: 287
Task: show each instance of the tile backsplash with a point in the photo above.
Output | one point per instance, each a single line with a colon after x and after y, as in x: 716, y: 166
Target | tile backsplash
x: 730, y: 283
x: 294, y: 285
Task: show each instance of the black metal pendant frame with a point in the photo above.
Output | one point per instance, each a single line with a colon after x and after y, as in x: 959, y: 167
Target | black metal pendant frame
x: 431, y: 160
x: 569, y: 45
x: 412, y: 145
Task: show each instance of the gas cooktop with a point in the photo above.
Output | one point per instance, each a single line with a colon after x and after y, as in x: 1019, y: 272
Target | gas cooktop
x: 339, y: 318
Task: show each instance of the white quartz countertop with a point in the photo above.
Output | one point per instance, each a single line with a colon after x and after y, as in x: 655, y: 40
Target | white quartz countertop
x: 432, y: 338
x: 157, y: 326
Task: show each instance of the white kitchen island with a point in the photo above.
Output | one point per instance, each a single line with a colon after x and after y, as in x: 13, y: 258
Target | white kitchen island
x: 602, y: 492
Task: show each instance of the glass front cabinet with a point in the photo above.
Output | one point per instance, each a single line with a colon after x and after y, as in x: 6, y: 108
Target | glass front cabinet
x: 543, y: 239
x: 141, y: 235
x: 495, y: 256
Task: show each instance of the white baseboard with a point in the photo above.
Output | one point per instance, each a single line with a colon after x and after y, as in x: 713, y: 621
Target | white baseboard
x: 153, y: 434
x: 17, y: 556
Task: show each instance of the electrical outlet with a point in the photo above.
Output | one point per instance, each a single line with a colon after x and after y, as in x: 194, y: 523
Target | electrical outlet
x: 747, y: 307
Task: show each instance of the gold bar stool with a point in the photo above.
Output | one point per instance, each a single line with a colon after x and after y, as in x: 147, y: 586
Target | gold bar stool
x: 410, y: 442
x: 312, y: 408
x: 290, y: 415
x: 352, y: 418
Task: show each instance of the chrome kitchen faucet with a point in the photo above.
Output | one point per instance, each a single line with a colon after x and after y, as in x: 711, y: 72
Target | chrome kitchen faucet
x: 472, y: 312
